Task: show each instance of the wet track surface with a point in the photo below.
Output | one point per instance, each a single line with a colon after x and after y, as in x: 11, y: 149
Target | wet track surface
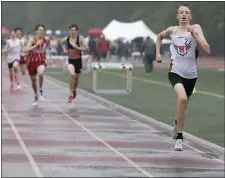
x: 87, y: 139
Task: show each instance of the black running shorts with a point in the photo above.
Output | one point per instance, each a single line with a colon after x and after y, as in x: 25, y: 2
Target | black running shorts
x: 77, y: 63
x: 10, y: 65
x: 188, y: 84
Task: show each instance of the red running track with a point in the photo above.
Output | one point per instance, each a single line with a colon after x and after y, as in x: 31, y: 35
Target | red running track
x: 57, y: 139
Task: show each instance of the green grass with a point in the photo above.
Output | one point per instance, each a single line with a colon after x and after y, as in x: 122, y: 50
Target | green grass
x: 154, y: 97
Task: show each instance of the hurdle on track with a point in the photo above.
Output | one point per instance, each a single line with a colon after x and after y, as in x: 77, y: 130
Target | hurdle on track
x: 95, y: 66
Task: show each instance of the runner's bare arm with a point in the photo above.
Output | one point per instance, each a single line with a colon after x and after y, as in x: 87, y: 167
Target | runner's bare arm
x: 83, y: 42
x: 200, y: 39
x: 24, y: 46
x: 29, y: 46
x: 160, y: 37
x: 6, y: 48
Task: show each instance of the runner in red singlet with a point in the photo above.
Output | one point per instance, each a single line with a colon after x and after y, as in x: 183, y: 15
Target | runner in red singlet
x: 37, y: 47
x: 74, y: 44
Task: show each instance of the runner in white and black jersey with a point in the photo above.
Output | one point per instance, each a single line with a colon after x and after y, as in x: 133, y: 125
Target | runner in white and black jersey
x: 12, y: 51
x: 23, y: 56
x: 186, y: 39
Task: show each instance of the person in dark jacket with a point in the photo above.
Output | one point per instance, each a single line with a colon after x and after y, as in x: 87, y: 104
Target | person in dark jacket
x: 148, y: 48
x: 93, y: 49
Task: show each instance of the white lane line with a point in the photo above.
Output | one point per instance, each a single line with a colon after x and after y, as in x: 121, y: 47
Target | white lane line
x: 22, y: 144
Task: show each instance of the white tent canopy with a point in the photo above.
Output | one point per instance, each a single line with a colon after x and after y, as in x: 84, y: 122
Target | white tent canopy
x: 129, y: 31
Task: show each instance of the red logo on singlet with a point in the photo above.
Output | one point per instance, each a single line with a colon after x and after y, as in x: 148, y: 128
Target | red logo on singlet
x: 74, y: 53
x: 181, y: 49
x: 182, y: 45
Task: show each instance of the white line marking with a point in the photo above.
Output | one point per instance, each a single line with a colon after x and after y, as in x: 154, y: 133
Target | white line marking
x: 195, y: 149
x: 102, y: 141
x: 109, y: 146
x: 97, y: 138
x: 22, y: 144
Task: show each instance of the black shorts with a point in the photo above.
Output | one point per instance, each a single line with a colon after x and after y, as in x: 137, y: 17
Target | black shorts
x: 10, y: 65
x: 77, y: 63
x: 188, y: 84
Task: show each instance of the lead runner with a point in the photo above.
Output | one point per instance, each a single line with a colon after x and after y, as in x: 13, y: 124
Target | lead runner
x: 186, y: 38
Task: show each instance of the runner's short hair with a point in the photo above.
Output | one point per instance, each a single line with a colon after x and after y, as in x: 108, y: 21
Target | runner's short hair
x: 17, y: 28
x: 37, y: 26
x: 186, y: 5
x: 74, y: 26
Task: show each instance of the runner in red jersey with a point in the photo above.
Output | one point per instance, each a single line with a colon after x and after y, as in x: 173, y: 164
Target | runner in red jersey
x: 37, y: 47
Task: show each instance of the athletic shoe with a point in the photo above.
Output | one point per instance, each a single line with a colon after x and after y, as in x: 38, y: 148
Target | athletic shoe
x: 18, y: 87
x: 71, y: 98
x: 178, y: 145
x: 35, y: 101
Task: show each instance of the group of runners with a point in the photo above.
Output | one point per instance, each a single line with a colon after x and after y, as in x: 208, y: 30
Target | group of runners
x: 31, y: 54
x: 187, y: 39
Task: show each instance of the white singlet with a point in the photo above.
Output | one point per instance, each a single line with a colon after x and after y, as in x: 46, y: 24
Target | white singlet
x: 14, y: 54
x: 183, y: 56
